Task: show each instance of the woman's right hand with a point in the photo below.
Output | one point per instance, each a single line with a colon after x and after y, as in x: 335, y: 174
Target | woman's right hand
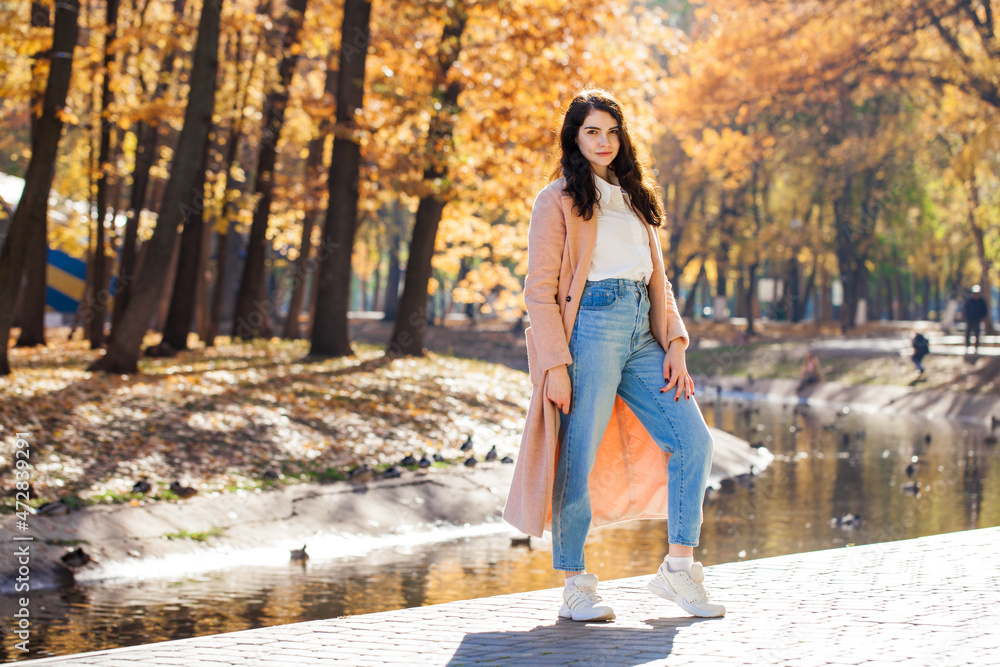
x: 558, y: 388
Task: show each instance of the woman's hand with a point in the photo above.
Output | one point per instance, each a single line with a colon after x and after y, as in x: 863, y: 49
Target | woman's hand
x: 558, y: 388
x: 675, y: 373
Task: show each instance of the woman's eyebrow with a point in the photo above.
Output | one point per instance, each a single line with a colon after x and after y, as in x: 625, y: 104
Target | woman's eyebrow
x: 593, y: 127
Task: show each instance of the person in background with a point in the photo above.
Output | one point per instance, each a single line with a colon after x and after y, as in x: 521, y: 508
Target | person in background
x: 921, y: 348
x: 811, y: 373
x: 975, y: 313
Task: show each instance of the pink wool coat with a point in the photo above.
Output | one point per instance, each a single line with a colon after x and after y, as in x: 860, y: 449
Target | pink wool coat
x: 630, y: 473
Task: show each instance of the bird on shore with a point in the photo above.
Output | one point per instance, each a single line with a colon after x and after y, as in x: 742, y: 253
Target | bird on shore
x: 408, y: 460
x: 471, y: 461
x: 76, y: 558
x: 912, y: 488
x: 298, y: 554
x: 182, y: 491
x: 506, y: 459
x: 270, y: 475
x: 467, y: 445
x: 927, y: 438
x: 53, y: 508
x: 492, y: 454
x: 846, y: 521
x: 361, y: 474
x: 392, y: 472
x: 424, y: 462
x: 142, y: 486
x: 438, y: 458
x: 911, y: 469
x: 523, y: 541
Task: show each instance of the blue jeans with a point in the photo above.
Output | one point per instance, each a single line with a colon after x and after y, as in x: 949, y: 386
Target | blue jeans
x: 614, y: 352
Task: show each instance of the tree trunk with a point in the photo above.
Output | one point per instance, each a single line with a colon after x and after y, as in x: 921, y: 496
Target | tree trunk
x: 31, y: 308
x: 31, y: 212
x: 99, y: 268
x: 145, y: 155
x: 253, y: 306
x: 394, y: 274
x: 411, y: 324
x: 124, y: 346
x: 314, y: 177
x: 751, y: 297
x: 692, y: 296
x: 203, y: 300
x: 330, y: 335
x: 792, y: 295
x: 182, y: 299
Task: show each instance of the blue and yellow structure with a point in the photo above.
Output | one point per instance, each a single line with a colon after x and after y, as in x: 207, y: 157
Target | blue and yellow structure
x: 65, y: 282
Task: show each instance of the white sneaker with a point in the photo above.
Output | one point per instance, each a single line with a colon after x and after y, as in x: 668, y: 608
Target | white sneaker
x: 686, y: 590
x: 582, y: 603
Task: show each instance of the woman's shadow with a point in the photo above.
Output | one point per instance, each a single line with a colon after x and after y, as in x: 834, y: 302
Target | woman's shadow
x: 570, y: 642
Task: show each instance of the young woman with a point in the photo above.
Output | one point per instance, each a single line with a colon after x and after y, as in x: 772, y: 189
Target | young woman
x: 611, y: 417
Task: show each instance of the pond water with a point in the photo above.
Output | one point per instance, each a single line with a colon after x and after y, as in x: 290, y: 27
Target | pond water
x: 828, y: 464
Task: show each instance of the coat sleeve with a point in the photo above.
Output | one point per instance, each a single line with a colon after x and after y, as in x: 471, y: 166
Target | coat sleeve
x: 675, y: 324
x: 546, y: 240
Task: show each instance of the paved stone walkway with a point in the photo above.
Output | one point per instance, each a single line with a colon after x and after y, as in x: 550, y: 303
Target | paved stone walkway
x: 929, y: 601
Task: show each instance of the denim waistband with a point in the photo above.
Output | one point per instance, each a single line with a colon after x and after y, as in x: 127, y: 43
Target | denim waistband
x: 617, y: 284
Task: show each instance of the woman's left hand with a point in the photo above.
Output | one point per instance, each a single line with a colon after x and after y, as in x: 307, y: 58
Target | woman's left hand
x: 675, y: 373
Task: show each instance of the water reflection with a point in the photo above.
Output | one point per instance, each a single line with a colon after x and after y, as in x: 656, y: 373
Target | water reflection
x: 828, y: 464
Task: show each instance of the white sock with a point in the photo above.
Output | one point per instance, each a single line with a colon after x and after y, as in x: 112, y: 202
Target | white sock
x: 569, y: 580
x: 676, y: 563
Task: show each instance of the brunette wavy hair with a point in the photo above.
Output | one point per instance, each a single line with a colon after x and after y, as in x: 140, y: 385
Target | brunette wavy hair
x: 631, y: 172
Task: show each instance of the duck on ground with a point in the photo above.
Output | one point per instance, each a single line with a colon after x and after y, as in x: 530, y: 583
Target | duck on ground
x: 492, y: 454
x: 424, y: 462
x: 76, y: 558
x: 182, y: 491
x: 471, y: 461
x: 467, y: 445
x: 522, y: 541
x: 142, y: 486
x: 53, y: 508
x: 361, y: 474
x: 408, y: 460
x: 298, y: 554
x: 392, y: 472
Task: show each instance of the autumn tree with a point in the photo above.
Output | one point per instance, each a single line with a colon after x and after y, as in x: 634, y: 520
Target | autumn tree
x: 330, y: 333
x: 252, y: 318
x: 31, y: 313
x: 29, y: 218
x: 124, y: 345
x: 147, y: 132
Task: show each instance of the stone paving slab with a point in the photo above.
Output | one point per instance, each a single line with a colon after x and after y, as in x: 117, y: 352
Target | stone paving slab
x: 932, y: 601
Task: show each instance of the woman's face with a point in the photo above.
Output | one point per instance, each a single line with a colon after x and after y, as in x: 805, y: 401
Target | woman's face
x: 598, y: 140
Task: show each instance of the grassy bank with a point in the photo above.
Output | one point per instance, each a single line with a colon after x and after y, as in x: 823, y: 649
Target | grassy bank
x: 242, y: 416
